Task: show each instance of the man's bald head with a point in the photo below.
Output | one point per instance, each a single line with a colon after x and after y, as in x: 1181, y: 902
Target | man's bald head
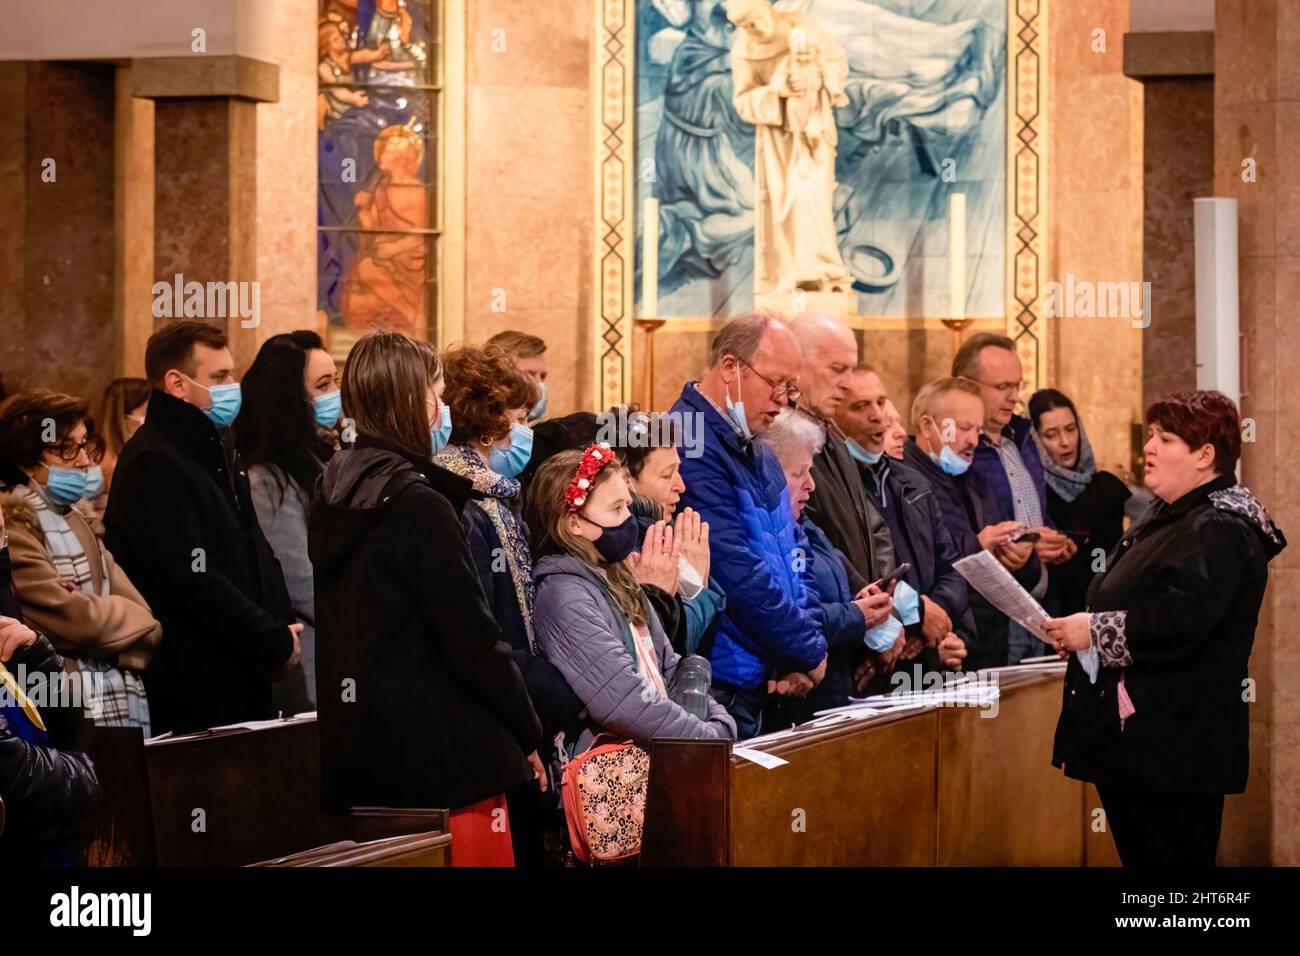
x: 830, y: 353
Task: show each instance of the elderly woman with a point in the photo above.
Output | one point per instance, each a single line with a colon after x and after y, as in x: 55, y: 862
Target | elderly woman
x: 849, y: 621
x: 1154, y: 713
x: 70, y: 587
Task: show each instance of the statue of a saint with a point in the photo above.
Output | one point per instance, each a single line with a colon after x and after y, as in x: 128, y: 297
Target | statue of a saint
x: 788, y: 74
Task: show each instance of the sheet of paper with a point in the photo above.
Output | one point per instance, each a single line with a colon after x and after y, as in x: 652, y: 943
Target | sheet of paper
x: 770, y: 761
x: 983, y: 572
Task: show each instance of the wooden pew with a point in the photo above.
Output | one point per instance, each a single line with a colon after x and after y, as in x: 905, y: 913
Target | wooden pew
x: 416, y: 849
x: 935, y: 785
x: 1001, y: 802
x: 223, y: 798
x: 851, y: 796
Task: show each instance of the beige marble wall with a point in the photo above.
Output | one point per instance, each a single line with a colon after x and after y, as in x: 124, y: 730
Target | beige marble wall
x: 1257, y: 115
x: 286, y: 172
x: 1095, y: 215
x: 56, y: 310
x: 530, y: 183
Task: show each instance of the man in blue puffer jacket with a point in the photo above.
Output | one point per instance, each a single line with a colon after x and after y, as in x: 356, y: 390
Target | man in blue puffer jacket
x: 769, y: 631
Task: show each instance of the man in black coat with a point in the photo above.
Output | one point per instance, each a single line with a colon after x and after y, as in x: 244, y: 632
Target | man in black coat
x: 944, y: 626
x: 181, y: 523
x: 839, y: 505
x: 948, y: 415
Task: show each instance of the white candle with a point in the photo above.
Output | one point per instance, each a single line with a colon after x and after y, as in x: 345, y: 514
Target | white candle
x: 957, y: 256
x: 650, y: 258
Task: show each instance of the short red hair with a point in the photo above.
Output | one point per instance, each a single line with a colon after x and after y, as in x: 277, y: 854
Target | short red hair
x: 1202, y: 418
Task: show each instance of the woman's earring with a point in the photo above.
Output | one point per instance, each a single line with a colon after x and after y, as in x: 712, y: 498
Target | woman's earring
x: 485, y: 442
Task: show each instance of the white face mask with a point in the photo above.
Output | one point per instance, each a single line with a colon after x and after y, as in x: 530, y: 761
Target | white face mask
x: 736, y: 410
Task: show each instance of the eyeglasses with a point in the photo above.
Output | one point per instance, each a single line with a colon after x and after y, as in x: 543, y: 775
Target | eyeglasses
x: 781, y: 391
x: 70, y: 451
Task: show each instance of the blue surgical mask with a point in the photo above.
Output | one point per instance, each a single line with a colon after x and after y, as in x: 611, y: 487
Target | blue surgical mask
x: 94, y: 481
x: 736, y: 412
x: 538, y: 411
x: 440, y: 433
x: 951, y: 462
x: 66, y: 486
x: 907, y: 603
x: 327, y: 408
x: 861, y: 454
x: 226, y: 400
x: 512, y: 461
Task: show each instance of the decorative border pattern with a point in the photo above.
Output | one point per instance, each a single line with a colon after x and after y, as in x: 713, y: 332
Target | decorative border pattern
x: 1027, y: 187
x: 615, y: 142
x: 615, y: 245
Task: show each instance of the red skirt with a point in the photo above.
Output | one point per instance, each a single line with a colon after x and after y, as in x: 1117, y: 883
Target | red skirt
x: 480, y: 834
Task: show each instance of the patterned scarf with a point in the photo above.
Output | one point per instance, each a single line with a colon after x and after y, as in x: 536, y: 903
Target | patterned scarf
x: 66, y: 553
x: 114, y: 697
x: 500, y: 492
x: 1069, y: 483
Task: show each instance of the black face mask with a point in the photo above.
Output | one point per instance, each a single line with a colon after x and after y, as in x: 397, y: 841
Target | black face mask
x: 617, y: 542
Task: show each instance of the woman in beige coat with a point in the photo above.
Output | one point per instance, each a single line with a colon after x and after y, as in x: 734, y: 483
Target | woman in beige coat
x: 67, y: 581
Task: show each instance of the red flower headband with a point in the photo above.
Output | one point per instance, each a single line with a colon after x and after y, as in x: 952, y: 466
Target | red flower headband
x: 594, y: 460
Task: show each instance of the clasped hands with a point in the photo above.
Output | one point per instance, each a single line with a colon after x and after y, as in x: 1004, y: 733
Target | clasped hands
x: 664, y: 546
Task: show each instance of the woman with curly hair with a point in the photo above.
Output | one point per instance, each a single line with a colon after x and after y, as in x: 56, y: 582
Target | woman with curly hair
x: 490, y: 444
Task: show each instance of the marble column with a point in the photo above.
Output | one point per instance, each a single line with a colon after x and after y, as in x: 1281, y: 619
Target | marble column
x: 1256, y: 136
x: 206, y: 182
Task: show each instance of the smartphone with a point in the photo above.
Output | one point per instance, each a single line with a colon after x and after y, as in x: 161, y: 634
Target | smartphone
x: 1026, y: 536
x: 891, y: 577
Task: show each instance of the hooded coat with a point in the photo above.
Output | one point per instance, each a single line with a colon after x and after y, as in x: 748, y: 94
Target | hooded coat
x: 1174, y: 618
x: 421, y: 703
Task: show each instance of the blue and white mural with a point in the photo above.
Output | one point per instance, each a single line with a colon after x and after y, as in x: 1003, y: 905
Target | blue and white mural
x: 926, y: 118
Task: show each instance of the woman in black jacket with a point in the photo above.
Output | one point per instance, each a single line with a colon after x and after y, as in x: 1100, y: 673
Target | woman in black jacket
x: 1079, y: 497
x: 421, y: 703
x: 45, y: 790
x: 1162, y: 728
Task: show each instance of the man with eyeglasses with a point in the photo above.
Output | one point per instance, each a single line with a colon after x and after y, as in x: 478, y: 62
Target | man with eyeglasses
x: 768, y: 639
x: 1006, y: 479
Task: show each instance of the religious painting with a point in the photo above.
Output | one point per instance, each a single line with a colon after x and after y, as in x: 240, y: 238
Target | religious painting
x: 844, y: 180
x: 377, y: 118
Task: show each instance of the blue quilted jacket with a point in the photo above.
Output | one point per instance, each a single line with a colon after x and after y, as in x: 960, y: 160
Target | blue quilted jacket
x: 770, y: 622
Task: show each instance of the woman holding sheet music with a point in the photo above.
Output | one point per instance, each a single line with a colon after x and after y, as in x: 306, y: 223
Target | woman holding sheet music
x: 1155, y: 700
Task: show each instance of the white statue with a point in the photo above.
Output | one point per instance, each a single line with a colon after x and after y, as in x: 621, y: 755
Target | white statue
x: 788, y: 74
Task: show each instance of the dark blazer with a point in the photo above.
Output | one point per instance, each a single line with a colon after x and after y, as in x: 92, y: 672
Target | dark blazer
x: 1099, y: 510
x: 933, y: 552
x: 180, y: 521
x: 840, y: 507
x: 421, y: 703
x: 962, y: 516
x: 1174, y: 617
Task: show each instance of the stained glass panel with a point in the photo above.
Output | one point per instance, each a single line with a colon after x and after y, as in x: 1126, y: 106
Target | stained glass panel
x: 377, y: 158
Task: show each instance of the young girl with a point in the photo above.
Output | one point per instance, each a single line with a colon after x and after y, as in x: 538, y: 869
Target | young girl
x: 591, y: 617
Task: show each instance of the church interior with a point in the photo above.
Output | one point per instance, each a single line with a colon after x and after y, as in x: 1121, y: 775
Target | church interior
x: 1105, y: 183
